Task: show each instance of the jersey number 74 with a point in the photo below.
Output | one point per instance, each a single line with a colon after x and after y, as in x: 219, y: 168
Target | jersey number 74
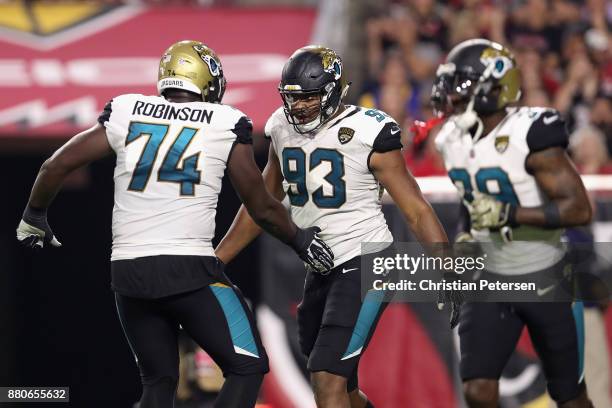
x: 187, y: 175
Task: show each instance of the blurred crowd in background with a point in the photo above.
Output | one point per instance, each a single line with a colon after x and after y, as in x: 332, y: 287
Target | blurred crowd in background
x: 562, y: 47
x: 391, y: 49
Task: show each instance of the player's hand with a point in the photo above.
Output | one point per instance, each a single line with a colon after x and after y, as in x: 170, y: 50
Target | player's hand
x: 455, y: 299
x: 34, y: 231
x: 487, y: 212
x: 311, y: 249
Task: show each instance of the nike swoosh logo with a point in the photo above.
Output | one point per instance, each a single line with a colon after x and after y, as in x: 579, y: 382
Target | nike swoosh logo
x: 543, y: 291
x: 550, y: 119
x: 395, y: 130
x: 348, y: 270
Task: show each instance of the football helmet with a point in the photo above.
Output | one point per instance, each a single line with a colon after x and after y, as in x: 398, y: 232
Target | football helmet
x: 478, y: 74
x: 193, y: 67
x: 317, y: 71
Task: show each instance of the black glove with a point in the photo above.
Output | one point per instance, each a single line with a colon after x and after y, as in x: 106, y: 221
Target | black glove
x: 34, y: 231
x: 455, y: 298
x: 313, y: 250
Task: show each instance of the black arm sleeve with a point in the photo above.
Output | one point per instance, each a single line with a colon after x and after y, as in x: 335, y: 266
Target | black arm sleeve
x: 105, y: 115
x: 549, y: 130
x: 244, y: 130
x: 389, y: 138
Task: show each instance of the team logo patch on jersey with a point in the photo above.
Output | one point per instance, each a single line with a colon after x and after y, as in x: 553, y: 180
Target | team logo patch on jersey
x: 501, y: 143
x: 345, y: 135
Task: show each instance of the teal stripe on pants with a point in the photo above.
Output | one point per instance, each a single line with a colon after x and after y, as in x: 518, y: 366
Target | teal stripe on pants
x: 578, y: 311
x: 367, y: 315
x: 237, y: 320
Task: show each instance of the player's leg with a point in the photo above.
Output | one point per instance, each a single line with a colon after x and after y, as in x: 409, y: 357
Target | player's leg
x: 152, y: 336
x: 218, y: 319
x: 346, y: 329
x: 488, y: 333
x: 357, y: 397
x: 557, y: 333
x: 310, y: 311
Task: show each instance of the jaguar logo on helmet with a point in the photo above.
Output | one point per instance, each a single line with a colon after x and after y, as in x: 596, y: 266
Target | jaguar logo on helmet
x: 213, y: 66
x: 332, y: 63
x: 500, y: 60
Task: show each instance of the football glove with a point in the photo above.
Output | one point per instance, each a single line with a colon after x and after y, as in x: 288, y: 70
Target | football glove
x: 311, y: 249
x: 455, y: 298
x: 34, y: 231
x: 487, y: 212
x: 464, y: 237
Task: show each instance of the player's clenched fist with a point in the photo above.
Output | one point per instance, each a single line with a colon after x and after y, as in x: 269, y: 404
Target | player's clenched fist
x: 34, y: 231
x: 313, y: 250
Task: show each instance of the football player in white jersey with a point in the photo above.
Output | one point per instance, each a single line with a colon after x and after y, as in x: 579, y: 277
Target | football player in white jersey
x: 330, y: 160
x: 521, y: 189
x: 171, y: 153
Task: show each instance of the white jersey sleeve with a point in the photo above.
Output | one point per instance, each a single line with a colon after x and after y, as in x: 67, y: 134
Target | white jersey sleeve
x: 382, y: 134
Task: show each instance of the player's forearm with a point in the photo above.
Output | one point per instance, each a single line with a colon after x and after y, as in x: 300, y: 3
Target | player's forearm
x: 48, y: 182
x: 426, y: 226
x: 242, y: 232
x: 557, y: 214
x: 272, y: 216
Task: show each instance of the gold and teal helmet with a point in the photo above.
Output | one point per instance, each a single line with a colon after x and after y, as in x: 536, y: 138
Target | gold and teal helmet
x: 479, y: 69
x: 193, y: 67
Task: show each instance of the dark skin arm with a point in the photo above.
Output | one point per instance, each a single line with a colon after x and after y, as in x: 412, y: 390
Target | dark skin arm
x: 390, y: 169
x: 79, y: 151
x: 244, y: 230
x: 261, y: 203
x: 561, y: 183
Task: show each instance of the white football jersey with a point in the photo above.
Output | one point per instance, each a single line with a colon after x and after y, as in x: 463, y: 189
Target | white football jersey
x: 495, y: 165
x: 171, y: 158
x: 327, y: 178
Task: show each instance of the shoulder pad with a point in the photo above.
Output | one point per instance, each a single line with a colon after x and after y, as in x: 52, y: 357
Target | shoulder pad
x: 378, y: 130
x: 548, y: 129
x: 272, y: 122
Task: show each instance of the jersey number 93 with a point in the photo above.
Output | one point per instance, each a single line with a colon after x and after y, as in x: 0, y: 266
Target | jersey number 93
x: 294, y: 171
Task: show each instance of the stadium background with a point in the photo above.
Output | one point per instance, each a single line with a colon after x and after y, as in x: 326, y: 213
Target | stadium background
x: 61, y: 61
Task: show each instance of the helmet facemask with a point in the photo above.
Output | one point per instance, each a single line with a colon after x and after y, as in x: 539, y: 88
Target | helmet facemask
x: 478, y: 75
x: 311, y: 117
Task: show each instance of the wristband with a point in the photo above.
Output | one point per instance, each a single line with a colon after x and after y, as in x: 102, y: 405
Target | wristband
x: 33, y: 215
x: 511, y: 221
x: 298, y: 241
x: 552, y: 218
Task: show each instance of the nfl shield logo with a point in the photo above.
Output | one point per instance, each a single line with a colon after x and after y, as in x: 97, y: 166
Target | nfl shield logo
x: 501, y: 143
x: 345, y: 135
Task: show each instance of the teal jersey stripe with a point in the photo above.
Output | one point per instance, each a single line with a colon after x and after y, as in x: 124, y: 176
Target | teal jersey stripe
x: 365, y: 320
x: 237, y: 321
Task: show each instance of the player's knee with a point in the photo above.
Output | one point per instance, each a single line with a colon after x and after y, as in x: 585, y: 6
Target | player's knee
x: 480, y: 392
x: 571, y: 397
x: 247, y: 367
x: 165, y: 381
x: 325, y: 384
